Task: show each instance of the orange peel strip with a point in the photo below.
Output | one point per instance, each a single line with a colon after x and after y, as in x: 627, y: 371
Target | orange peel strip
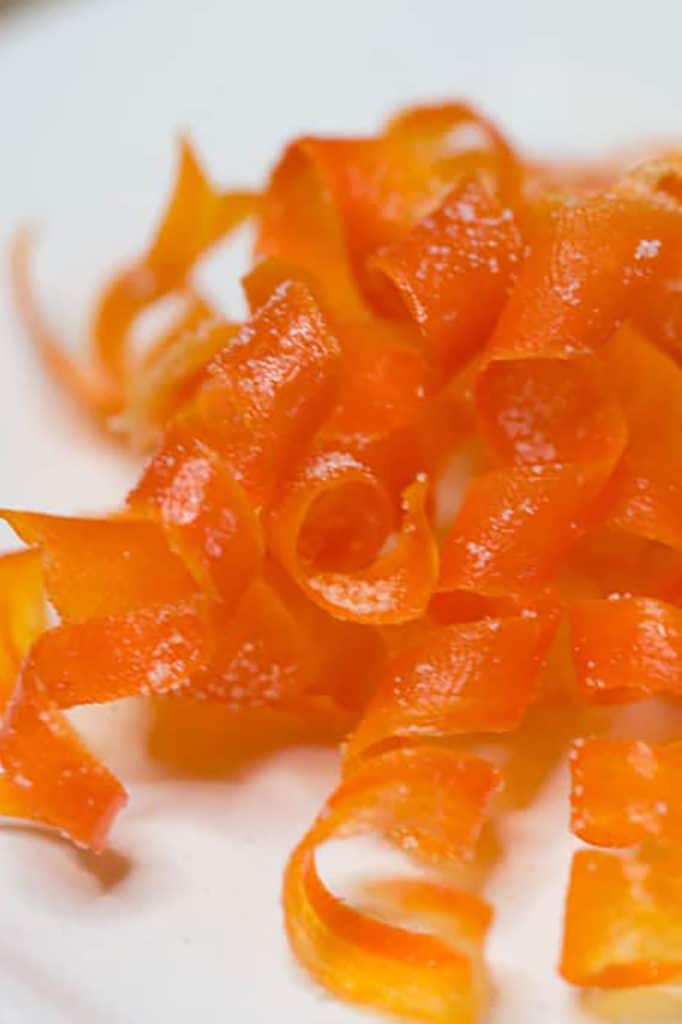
x: 584, y: 275
x: 197, y: 215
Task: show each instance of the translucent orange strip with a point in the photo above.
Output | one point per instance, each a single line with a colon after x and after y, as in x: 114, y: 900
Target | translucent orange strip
x: 586, y: 272
x: 97, y: 567
x: 622, y: 926
x: 46, y: 774
x: 89, y: 390
x: 470, y: 677
x: 395, y: 587
x: 625, y: 791
x: 432, y: 803
x: 627, y: 648
x: 207, y: 517
x: 453, y: 271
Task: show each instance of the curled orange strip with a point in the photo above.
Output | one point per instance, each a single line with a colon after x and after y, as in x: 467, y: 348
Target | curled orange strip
x: 206, y: 515
x: 197, y: 215
x: 384, y: 394
x: 97, y: 567
x: 625, y: 791
x: 390, y: 412
x: 585, y: 274
x: 153, y: 650
x: 453, y: 271
x: 264, y: 394
x: 431, y: 803
x: 393, y: 588
x: 627, y: 648
x: 466, y: 678
x: 50, y: 777
x: 331, y: 203
x: 255, y: 657
x: 47, y: 776
x: 168, y: 376
x: 22, y: 614
x: 622, y: 919
x: 81, y: 382
x: 255, y: 654
x: 645, y: 494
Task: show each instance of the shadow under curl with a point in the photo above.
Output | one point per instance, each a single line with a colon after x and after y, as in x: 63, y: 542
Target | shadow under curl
x: 109, y: 869
x: 198, y: 739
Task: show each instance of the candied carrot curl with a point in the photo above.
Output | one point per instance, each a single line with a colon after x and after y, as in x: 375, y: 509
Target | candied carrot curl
x: 205, y: 513
x: 627, y: 648
x: 622, y: 919
x: 97, y: 567
x: 47, y: 775
x: 22, y: 614
x: 432, y: 803
x: 331, y: 203
x: 625, y: 791
x: 262, y: 396
x: 432, y: 480
x: 197, y: 216
x: 453, y: 271
x: 544, y: 406
x: 482, y: 678
x: 395, y: 587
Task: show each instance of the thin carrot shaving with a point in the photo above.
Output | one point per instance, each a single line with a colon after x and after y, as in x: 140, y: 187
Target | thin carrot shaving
x: 604, y: 771
x: 622, y: 919
x: 429, y: 802
x: 47, y: 775
x: 197, y: 216
x: 84, y: 386
x: 395, y: 587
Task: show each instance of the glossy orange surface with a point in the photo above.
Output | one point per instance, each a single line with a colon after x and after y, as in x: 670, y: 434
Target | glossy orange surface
x: 206, y: 515
x: 625, y: 791
x: 48, y: 776
x: 626, y: 648
x: 624, y: 919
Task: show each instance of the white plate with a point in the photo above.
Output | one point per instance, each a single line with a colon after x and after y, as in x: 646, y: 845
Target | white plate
x: 182, y: 922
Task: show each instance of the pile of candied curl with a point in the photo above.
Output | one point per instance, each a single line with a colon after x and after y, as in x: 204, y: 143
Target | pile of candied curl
x: 425, y: 306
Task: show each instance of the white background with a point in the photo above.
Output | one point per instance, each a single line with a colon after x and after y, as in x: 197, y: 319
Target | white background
x: 182, y: 922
